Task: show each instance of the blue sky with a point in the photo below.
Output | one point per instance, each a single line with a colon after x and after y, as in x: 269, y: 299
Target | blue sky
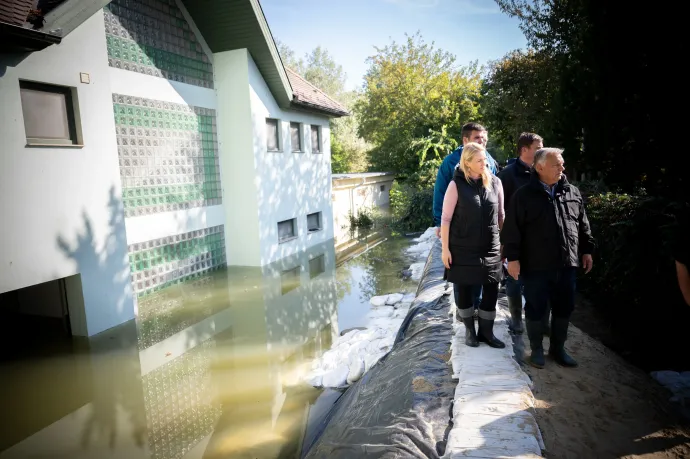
x: 349, y: 29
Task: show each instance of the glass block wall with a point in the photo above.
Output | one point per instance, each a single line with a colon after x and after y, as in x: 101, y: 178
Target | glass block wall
x: 168, y: 312
x: 180, y: 408
x: 152, y: 37
x: 170, y: 260
x: 168, y: 155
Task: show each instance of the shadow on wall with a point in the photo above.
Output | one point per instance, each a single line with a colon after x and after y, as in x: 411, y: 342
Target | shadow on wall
x: 11, y: 60
x: 104, y: 268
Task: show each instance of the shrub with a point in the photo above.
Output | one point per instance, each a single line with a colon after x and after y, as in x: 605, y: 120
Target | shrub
x: 411, y: 207
x: 633, y: 281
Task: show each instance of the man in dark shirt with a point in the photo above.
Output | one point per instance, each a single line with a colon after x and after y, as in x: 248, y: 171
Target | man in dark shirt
x: 514, y: 176
x: 545, y: 237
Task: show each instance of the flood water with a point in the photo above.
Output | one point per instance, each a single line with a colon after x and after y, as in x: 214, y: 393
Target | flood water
x: 210, y: 369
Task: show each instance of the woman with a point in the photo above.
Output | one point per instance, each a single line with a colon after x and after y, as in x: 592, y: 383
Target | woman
x: 471, y: 220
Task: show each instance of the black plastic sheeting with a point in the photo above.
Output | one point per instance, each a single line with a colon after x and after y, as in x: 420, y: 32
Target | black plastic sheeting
x: 401, y: 408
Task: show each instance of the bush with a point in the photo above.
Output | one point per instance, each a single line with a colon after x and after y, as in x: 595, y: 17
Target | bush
x: 634, y: 281
x: 363, y: 220
x: 411, y: 207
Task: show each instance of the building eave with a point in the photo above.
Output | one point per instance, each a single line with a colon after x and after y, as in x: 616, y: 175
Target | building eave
x: 15, y: 39
x: 228, y: 25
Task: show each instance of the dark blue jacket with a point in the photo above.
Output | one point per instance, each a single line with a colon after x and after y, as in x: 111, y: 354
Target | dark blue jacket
x: 445, y: 175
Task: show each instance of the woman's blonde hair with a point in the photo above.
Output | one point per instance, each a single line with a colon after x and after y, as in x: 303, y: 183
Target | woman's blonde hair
x: 469, y: 152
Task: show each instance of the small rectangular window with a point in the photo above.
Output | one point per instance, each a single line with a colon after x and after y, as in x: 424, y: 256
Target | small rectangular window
x: 314, y: 222
x: 272, y: 135
x: 296, y: 137
x: 49, y: 116
x: 383, y: 187
x: 317, y: 265
x: 286, y: 230
x: 316, y: 139
x: 290, y: 279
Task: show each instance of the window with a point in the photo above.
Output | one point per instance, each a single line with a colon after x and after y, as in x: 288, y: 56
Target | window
x: 316, y: 139
x: 290, y: 279
x: 317, y: 265
x: 272, y: 135
x: 49, y: 117
x: 383, y: 187
x: 296, y: 137
x: 286, y: 230
x: 314, y: 222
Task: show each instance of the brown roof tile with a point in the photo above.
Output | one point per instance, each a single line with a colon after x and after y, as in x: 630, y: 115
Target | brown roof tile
x: 308, y: 95
x: 15, y: 11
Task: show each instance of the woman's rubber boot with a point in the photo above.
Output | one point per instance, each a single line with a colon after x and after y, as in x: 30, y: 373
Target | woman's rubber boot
x: 535, y: 333
x: 470, y: 332
x: 515, y: 306
x: 486, y: 329
x: 559, y: 334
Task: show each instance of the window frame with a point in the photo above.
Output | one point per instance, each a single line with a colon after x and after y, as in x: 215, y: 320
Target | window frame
x: 294, y: 235
x: 279, y: 139
x: 299, y: 137
x: 320, y: 228
x: 70, y: 108
x: 319, y: 142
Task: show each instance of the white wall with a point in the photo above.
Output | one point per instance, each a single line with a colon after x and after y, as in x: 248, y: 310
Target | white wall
x: 61, y: 207
x: 236, y: 145
x: 289, y: 185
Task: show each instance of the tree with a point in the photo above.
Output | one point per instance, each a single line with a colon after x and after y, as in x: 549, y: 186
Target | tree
x: 611, y: 92
x: 348, y: 150
x: 520, y: 94
x: 414, y: 104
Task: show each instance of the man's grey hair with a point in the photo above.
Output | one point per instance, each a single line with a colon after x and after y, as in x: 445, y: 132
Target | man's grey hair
x: 543, y: 153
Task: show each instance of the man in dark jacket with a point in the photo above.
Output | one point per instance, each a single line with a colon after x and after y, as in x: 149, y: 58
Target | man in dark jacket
x: 545, y: 237
x: 514, y: 176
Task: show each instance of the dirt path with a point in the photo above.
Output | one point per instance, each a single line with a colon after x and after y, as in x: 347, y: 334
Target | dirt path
x: 606, y: 408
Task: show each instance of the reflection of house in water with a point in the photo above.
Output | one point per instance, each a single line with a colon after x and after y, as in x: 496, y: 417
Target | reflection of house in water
x: 210, y: 370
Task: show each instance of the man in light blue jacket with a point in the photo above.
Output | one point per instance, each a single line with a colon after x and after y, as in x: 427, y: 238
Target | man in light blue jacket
x: 471, y: 132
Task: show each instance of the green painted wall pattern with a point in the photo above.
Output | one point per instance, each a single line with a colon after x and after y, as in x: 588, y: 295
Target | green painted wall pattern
x: 168, y: 155
x: 152, y: 37
x: 162, y: 262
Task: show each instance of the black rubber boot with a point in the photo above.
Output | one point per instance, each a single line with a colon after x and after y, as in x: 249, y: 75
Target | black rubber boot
x: 546, y: 320
x: 535, y: 334
x: 486, y: 333
x: 470, y: 333
x: 515, y: 307
x: 559, y: 335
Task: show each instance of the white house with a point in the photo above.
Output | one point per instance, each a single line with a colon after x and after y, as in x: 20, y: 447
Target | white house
x: 147, y: 142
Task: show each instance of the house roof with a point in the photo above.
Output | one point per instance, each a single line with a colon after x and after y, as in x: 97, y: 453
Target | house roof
x: 16, y: 36
x: 306, y: 95
x: 15, y: 11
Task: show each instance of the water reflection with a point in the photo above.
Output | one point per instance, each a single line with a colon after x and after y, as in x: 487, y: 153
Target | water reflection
x: 210, y: 369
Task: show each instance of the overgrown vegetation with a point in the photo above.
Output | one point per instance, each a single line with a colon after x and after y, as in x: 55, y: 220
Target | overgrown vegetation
x: 634, y: 281
x: 411, y: 207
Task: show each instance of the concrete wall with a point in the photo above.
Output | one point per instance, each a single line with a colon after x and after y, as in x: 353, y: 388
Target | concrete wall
x: 289, y: 185
x: 61, y: 207
x: 355, y: 192
x: 237, y: 160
